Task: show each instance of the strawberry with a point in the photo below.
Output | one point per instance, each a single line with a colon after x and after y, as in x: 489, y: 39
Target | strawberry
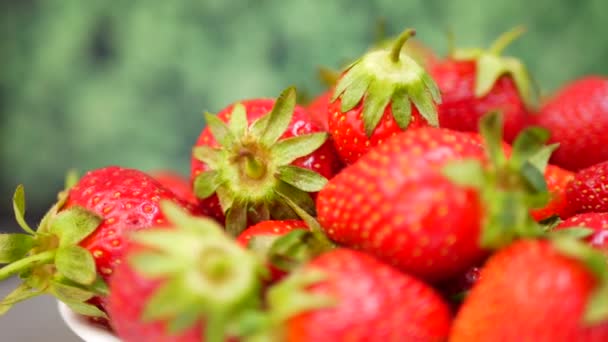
x: 318, y: 109
x: 538, y: 290
x: 82, y: 236
x: 270, y: 154
x: 260, y: 238
x: 597, y: 222
x: 475, y: 81
x: 408, y: 203
x: 557, y: 182
x: 588, y: 192
x: 372, y: 101
x: 186, y: 282
x: 345, y: 295
x: 175, y: 182
x: 577, y: 116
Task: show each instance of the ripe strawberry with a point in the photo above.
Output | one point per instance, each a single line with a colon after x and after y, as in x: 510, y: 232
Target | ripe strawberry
x: 557, y: 181
x: 475, y: 81
x: 397, y: 203
x: 588, y: 192
x: 577, y: 117
x: 382, y: 93
x: 175, y: 182
x: 188, y: 282
x: 344, y: 295
x: 597, y: 222
x: 82, y: 236
x: 537, y: 291
x: 260, y: 237
x: 270, y: 154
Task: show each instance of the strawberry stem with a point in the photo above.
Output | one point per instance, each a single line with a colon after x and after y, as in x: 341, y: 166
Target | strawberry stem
x: 254, y: 169
x: 505, y: 39
x: 29, y: 262
x: 398, y: 45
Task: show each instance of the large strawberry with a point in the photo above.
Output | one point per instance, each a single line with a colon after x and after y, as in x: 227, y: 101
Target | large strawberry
x: 537, y: 290
x: 397, y: 203
x: 577, y: 116
x: 475, y: 81
x: 588, y: 191
x: 81, y: 237
x: 175, y: 182
x: 256, y: 155
x: 345, y: 295
x: 597, y: 222
x: 379, y: 95
x: 187, y: 282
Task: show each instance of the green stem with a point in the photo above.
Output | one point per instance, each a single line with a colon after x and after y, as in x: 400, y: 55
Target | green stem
x: 505, y: 39
x: 253, y: 167
x: 29, y: 262
x: 398, y: 45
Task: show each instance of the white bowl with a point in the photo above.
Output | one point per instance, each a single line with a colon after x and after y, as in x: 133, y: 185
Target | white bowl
x: 82, y: 327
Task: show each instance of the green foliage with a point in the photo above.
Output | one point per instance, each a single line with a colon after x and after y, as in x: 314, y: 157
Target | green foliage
x: 87, y: 84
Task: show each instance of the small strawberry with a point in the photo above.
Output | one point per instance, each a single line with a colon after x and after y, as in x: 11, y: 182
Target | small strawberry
x: 597, y: 222
x: 175, y: 182
x: 538, y: 290
x: 187, y: 282
x: 577, y: 117
x: 379, y: 95
x: 81, y: 237
x: 588, y: 192
x: 410, y: 204
x: 475, y: 81
x: 344, y: 295
x: 255, y: 157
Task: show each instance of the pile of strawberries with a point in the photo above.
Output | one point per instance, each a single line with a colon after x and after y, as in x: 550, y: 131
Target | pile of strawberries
x: 421, y: 198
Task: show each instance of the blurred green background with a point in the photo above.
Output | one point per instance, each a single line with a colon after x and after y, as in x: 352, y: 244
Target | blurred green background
x: 89, y: 83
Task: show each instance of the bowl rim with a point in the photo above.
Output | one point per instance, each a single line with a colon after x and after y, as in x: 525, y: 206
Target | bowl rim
x: 83, y: 328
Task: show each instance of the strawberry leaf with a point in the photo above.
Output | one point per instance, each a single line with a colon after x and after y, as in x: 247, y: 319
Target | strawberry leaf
x: 423, y: 101
x: 301, y: 178
x: 67, y: 293
x: 219, y: 130
x: 208, y: 155
x: 468, y: 172
x: 206, y: 184
x: 74, y: 225
x: 279, y: 117
x: 154, y: 265
x: 288, y: 150
x: 373, y: 107
x: 21, y: 293
x: 238, y: 120
x: 86, y: 309
x: 19, y: 209
x: 540, y: 159
x: 14, y: 247
x: 76, y: 263
x: 236, y: 218
x: 401, y: 108
x: 490, y: 128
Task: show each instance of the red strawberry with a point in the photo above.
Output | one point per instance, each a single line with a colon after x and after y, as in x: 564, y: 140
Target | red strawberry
x: 261, y: 236
x: 597, y: 222
x: 82, y: 235
x: 269, y: 154
x: 189, y: 282
x: 175, y: 182
x: 379, y: 95
x: 577, y: 117
x: 473, y: 82
x: 588, y: 192
x: 397, y: 203
x: 557, y: 181
x: 537, y: 291
x: 344, y: 295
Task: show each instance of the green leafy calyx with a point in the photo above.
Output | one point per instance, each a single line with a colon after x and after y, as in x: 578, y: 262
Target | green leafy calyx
x: 252, y: 165
x: 508, y: 187
x: 205, y: 275
x: 388, y: 76
x: 491, y: 66
x: 49, y: 260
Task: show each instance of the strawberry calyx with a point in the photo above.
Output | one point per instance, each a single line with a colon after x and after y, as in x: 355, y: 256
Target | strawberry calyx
x: 206, y: 276
x: 49, y: 261
x: 388, y: 76
x: 508, y: 187
x: 491, y: 66
x: 251, y: 171
x: 570, y: 245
